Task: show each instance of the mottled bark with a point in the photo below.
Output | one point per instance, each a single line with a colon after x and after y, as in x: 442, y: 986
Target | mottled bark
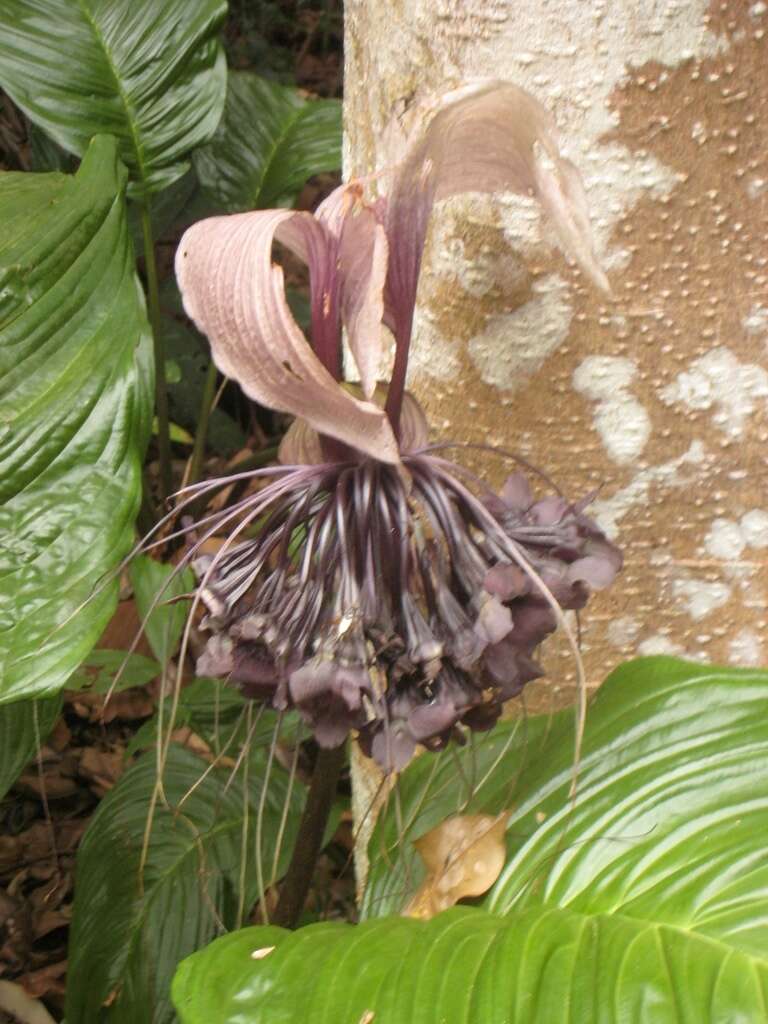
x: 659, y: 397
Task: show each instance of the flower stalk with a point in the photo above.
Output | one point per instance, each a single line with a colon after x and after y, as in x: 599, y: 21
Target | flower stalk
x: 372, y: 584
x: 314, y: 821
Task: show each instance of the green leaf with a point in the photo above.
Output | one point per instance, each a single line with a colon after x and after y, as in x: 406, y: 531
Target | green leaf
x: 669, y: 821
x: 269, y: 142
x: 155, y: 588
x: 128, y: 933
x: 76, y: 394
x: 98, y: 672
x: 644, y: 899
x: 24, y: 726
x: 216, y: 711
x: 666, y: 825
x: 469, y: 967
x: 149, y: 72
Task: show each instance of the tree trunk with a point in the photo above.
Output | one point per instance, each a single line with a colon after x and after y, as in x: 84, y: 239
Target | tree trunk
x: 659, y: 397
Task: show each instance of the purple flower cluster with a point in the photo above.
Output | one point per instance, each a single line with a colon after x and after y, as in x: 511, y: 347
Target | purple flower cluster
x: 395, y: 601
x: 374, y: 585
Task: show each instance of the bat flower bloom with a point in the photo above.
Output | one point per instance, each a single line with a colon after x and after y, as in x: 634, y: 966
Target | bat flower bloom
x: 372, y: 583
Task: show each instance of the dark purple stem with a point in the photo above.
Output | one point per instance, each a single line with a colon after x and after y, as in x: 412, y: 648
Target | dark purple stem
x: 396, y: 391
x: 309, y: 841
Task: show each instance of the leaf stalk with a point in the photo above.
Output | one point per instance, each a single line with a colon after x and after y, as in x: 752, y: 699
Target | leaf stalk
x: 161, y: 384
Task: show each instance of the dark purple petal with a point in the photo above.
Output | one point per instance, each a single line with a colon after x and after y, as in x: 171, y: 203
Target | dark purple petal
x: 509, y: 667
x: 483, y: 717
x: 532, y: 622
x: 506, y: 581
x: 493, y: 621
x: 428, y: 720
x: 516, y: 493
x: 392, y: 747
x: 329, y: 697
x: 597, y: 573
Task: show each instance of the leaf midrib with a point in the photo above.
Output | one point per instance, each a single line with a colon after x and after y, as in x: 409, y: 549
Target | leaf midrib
x: 279, y: 141
x: 130, y: 112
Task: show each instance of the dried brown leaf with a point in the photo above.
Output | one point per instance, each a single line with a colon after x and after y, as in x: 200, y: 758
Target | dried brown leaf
x: 101, y: 768
x: 463, y: 856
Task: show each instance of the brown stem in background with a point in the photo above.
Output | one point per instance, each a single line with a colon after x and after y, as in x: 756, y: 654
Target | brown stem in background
x: 161, y: 384
x: 309, y: 841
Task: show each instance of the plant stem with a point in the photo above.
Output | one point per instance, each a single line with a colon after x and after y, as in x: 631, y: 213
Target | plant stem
x: 201, y: 434
x: 161, y: 387
x: 309, y: 841
x: 146, y: 519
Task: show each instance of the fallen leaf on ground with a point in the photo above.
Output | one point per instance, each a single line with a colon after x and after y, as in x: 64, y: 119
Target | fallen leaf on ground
x: 128, y: 705
x: 101, y: 768
x: 60, y: 736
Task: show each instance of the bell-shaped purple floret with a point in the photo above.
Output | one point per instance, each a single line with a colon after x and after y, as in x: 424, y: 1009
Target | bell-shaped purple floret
x: 494, y: 620
x: 249, y: 665
x: 329, y: 697
x: 506, y: 581
x: 454, y: 628
x: 510, y: 667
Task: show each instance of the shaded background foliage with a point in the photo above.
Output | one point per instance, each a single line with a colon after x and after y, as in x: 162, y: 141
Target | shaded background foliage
x: 87, y: 749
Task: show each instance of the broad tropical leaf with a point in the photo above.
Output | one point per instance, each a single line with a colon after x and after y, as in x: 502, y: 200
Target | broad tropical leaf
x: 105, y: 670
x: 156, y: 587
x: 130, y: 929
x: 269, y: 142
x: 23, y: 725
x: 218, y: 713
x: 669, y: 820
x: 75, y: 390
x: 644, y: 898
x: 149, y: 72
x: 466, y: 966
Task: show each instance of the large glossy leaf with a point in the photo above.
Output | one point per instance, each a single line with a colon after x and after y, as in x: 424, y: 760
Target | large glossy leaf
x: 269, y: 142
x: 669, y: 823
x: 669, y: 819
x: 469, y: 967
x: 645, y: 898
x: 150, y: 72
x: 24, y: 725
x: 75, y: 391
x: 130, y: 929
